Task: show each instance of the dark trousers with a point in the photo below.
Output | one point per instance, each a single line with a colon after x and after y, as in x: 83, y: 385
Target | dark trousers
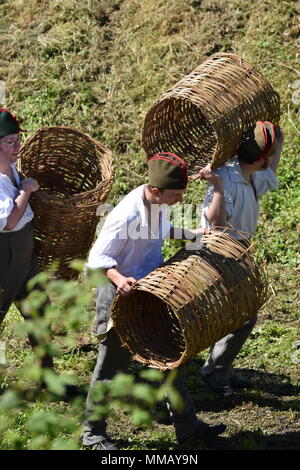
x: 113, y: 358
x: 18, y: 264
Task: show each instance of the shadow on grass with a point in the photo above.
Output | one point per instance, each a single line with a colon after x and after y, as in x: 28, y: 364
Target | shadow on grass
x: 251, y: 440
x: 243, y: 440
x: 82, y: 346
x: 269, y: 390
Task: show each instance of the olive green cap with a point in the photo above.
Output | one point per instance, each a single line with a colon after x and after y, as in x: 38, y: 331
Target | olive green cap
x: 167, y: 171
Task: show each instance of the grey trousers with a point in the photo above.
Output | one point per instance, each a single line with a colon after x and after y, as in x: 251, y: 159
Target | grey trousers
x: 224, y: 351
x: 17, y: 265
x: 112, y: 358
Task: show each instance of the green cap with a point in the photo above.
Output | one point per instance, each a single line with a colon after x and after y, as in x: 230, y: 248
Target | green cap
x: 258, y: 142
x: 167, y: 171
x: 8, y: 123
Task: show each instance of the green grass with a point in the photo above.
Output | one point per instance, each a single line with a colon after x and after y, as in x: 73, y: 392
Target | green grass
x: 99, y: 66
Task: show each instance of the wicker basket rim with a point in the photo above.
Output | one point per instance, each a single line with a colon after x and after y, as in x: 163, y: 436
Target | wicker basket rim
x: 158, y: 295
x: 68, y: 128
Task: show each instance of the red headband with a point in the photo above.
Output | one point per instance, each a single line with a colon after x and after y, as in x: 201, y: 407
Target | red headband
x: 166, y: 156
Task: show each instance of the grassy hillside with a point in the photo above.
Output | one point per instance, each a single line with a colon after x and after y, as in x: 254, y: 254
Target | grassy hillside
x: 99, y: 65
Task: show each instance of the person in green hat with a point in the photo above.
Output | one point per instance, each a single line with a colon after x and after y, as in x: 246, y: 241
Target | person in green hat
x: 232, y: 200
x: 18, y: 262
x: 128, y: 248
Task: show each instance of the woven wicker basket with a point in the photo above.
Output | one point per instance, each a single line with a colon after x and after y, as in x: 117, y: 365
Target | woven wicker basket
x: 75, y: 175
x: 190, y: 302
x: 204, y: 116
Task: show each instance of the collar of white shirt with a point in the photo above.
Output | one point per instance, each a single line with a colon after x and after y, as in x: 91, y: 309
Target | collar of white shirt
x: 235, y: 173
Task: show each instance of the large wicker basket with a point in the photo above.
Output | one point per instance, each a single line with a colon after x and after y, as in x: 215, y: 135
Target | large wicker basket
x: 204, y: 116
x: 190, y: 302
x: 75, y: 174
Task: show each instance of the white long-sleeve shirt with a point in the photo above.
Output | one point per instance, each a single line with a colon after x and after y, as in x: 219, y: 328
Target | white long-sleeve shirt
x: 127, y: 241
x: 241, y: 197
x: 8, y: 193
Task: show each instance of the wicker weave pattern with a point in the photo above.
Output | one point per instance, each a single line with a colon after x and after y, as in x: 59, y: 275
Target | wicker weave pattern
x: 204, y: 116
x: 193, y: 300
x: 75, y: 175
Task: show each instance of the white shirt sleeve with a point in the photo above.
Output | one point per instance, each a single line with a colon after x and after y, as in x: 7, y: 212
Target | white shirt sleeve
x: 166, y: 226
x: 228, y: 198
x: 264, y: 181
x: 6, y: 206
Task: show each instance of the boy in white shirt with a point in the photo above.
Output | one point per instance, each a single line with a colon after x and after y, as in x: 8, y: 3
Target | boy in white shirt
x: 127, y: 249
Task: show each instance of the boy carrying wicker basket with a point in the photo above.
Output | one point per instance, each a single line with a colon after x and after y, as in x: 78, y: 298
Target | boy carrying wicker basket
x: 232, y: 199
x: 127, y: 249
